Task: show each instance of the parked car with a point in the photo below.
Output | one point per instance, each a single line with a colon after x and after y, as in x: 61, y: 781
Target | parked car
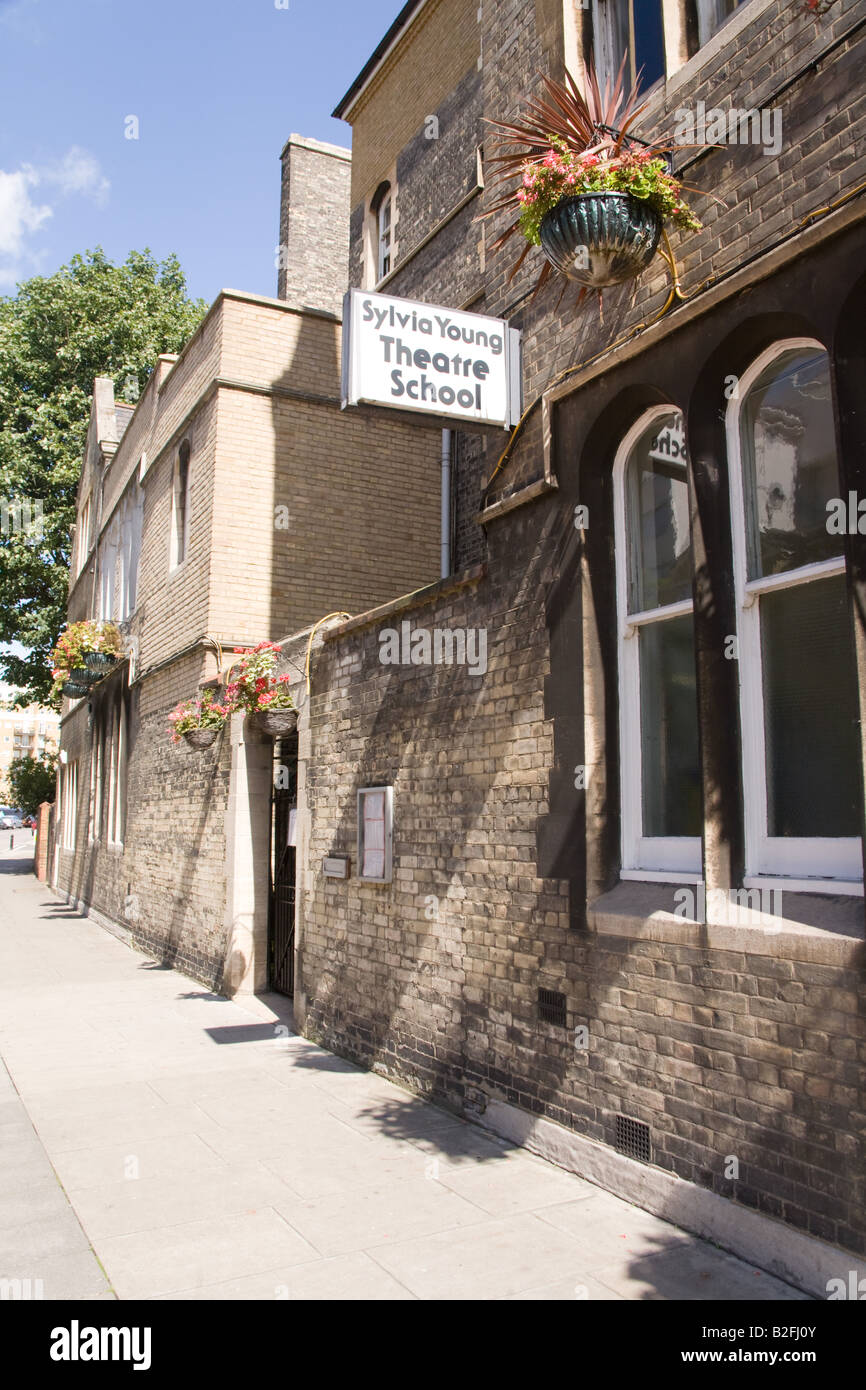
x: 11, y: 820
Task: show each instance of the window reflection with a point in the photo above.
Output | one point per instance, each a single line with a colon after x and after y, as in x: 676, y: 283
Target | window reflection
x: 789, y: 462
x: 658, y: 506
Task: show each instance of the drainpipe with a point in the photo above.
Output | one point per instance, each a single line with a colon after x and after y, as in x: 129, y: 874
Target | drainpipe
x: 446, y: 503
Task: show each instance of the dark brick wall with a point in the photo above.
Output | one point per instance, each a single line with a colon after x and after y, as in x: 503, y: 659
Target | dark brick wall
x: 754, y: 1052
x: 435, y: 977
x: 775, y: 61
x: 434, y: 175
x: 473, y: 460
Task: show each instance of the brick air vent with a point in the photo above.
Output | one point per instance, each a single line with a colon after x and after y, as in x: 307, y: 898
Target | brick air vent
x: 633, y: 1138
x: 551, y: 1008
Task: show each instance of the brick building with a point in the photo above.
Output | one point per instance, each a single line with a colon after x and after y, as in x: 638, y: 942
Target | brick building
x: 619, y: 910
x: 28, y: 732
x: 233, y: 503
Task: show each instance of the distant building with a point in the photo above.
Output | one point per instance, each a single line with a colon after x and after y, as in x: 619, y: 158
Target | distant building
x: 32, y: 731
x: 235, y: 503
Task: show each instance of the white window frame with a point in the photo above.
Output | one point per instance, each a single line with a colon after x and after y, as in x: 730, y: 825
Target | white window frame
x: 116, y: 775
x: 179, y: 545
x: 118, y: 805
x: 387, y: 873
x: 95, y: 826
x: 84, y: 533
x: 385, y: 236
x: 70, y: 805
x: 130, y: 552
x: 780, y: 858
x: 670, y: 858
x: 107, y: 581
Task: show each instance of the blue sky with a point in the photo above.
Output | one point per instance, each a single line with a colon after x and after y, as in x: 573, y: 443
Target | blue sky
x: 217, y: 87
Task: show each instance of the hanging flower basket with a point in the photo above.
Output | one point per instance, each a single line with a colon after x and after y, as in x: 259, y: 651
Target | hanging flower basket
x: 594, y: 197
x: 100, y: 663
x: 265, y: 696
x: 275, y: 723
x: 74, y: 690
x: 85, y: 651
x: 198, y: 721
x: 600, y: 239
x: 200, y: 738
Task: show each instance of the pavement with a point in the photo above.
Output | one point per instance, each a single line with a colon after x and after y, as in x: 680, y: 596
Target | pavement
x: 158, y: 1141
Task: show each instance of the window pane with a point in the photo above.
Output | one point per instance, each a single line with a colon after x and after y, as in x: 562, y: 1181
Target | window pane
x: 633, y: 27
x: 810, y: 701
x: 649, y: 41
x: 611, y: 31
x: 669, y: 729
x: 789, y: 465
x: 711, y: 15
x: 657, y: 501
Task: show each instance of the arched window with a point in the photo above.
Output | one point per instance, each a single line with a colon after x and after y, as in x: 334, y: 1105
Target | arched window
x: 180, y: 507
x: 660, y: 769
x: 798, y: 691
x: 381, y: 209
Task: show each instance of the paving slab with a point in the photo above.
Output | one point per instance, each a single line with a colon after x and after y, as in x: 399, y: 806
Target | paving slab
x: 42, y: 1242
x: 172, y: 1259
x: 193, y: 1147
x: 355, y: 1278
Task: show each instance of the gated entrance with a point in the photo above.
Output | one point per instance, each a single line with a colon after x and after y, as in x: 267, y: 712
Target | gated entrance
x: 281, y: 922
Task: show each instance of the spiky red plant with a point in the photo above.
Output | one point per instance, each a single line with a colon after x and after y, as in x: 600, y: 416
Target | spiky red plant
x: 597, y: 122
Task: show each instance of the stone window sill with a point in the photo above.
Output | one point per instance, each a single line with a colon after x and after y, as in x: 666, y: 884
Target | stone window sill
x: 815, y: 928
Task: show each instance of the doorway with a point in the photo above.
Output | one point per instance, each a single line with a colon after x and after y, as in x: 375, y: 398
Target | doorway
x: 281, y: 916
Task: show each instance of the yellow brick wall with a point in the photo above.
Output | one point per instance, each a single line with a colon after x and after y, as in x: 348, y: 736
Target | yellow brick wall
x: 362, y: 506
x: 268, y: 344
x: 438, y: 50
x: 173, y: 607
x: 266, y: 431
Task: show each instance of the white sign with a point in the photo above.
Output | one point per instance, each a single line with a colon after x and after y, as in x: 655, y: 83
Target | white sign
x: 669, y: 445
x: 441, y: 362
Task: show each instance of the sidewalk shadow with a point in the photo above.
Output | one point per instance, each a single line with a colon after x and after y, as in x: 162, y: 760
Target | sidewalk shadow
x: 16, y: 866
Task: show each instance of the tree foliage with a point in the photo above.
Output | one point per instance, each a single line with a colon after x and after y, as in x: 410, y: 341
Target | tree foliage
x: 31, y: 782
x: 90, y: 318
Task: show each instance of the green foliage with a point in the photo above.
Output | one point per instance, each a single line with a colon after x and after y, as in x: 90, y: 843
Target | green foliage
x: 90, y: 318
x: 205, y: 713
x: 564, y: 174
x: 72, y: 644
x: 31, y: 782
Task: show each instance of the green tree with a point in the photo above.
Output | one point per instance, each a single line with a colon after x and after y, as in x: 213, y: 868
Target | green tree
x: 91, y: 318
x: 31, y: 782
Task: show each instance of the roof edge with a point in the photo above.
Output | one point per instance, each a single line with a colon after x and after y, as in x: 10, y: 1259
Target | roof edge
x: 405, y: 18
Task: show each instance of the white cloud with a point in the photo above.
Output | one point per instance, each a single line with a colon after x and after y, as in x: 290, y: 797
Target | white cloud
x: 78, y: 172
x: 19, y: 214
x: 22, y: 213
x: 18, y: 17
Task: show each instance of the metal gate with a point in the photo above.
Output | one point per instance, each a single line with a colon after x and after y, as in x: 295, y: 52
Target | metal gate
x: 281, y: 926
